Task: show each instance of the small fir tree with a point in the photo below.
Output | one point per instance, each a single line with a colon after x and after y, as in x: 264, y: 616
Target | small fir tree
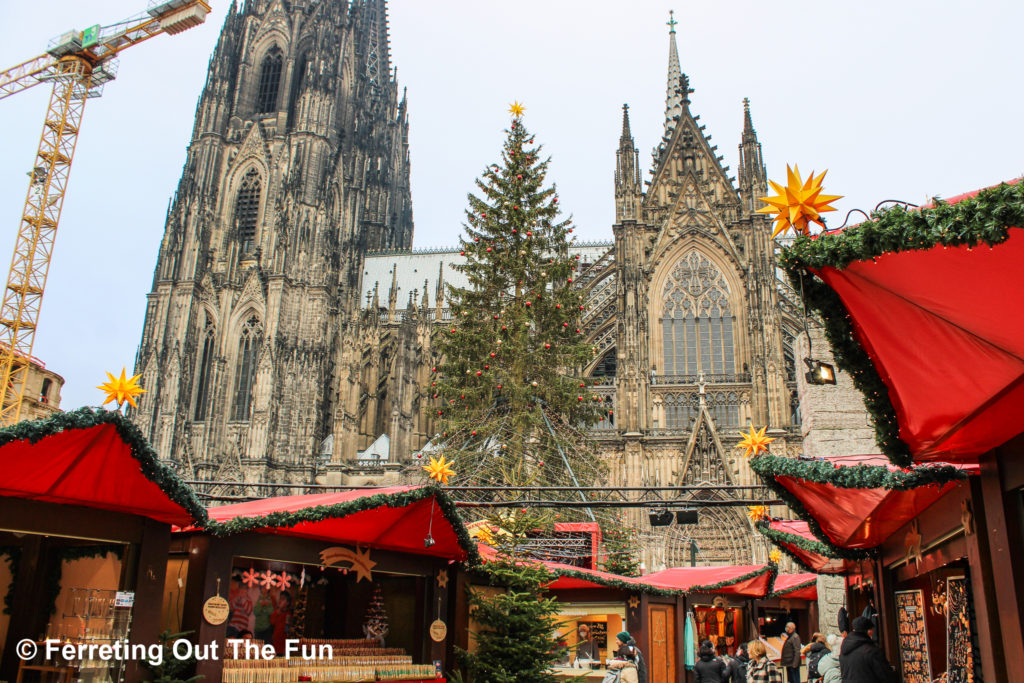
x: 515, y: 642
x: 509, y: 406
x: 620, y: 547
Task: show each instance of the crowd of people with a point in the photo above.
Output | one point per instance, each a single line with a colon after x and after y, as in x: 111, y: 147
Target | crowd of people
x: 853, y: 657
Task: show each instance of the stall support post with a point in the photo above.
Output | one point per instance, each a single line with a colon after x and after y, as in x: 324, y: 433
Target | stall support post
x: 813, y: 619
x: 882, y: 589
x: 458, y: 636
x: 983, y: 591
x: 1005, y: 554
x: 147, y: 581
x: 212, y: 557
x: 637, y: 626
x: 680, y: 639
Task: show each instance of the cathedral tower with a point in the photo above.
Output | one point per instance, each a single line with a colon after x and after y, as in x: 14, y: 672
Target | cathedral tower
x: 298, y: 165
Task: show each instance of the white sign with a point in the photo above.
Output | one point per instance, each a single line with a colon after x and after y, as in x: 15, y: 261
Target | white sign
x: 124, y: 599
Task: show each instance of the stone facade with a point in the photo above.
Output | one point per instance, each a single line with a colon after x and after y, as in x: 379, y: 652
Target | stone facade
x: 297, y: 166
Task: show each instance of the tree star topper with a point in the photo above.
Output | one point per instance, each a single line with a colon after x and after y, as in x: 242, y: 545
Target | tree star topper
x: 755, y: 442
x: 516, y: 109
x: 121, y: 389
x: 798, y: 202
x: 439, y: 470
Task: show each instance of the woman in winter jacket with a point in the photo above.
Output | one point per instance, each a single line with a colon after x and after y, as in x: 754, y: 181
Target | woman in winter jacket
x: 709, y: 668
x: 761, y: 669
x: 815, y: 650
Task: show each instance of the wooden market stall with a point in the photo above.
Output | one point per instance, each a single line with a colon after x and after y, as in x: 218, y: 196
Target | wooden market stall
x: 950, y: 274
x: 371, y: 573
x: 85, y: 521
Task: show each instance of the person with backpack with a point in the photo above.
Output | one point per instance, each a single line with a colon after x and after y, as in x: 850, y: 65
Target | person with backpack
x: 738, y: 665
x: 628, y: 660
x: 709, y: 668
x: 815, y: 650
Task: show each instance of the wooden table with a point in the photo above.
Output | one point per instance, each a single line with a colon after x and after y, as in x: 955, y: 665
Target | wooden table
x: 565, y: 673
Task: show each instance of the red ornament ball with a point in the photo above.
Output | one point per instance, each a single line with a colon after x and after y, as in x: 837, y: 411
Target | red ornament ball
x: 462, y: 253
x: 488, y: 248
x: 558, y: 305
x: 565, y: 324
x: 503, y: 327
x: 579, y: 398
x: 499, y: 386
x: 547, y: 346
x: 529, y: 233
x: 487, y: 367
x: 519, y: 177
x: 492, y: 355
x: 478, y: 373
x: 474, y: 433
x: 433, y: 369
x: 527, y: 303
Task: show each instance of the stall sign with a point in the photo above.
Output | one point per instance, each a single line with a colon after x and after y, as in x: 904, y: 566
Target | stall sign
x: 124, y: 599
x: 438, y: 631
x: 216, y: 610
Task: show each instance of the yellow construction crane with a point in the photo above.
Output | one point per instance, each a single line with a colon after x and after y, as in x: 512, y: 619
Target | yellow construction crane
x: 78, y: 63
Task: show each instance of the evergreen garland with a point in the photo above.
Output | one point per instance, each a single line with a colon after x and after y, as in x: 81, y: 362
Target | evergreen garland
x: 12, y: 554
x: 782, y: 541
x: 177, y: 490
x: 285, y: 519
x: 984, y: 219
x: 793, y: 589
x: 771, y: 568
x: 768, y: 467
x: 618, y: 583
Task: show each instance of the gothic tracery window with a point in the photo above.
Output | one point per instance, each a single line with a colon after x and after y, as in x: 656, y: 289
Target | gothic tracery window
x: 245, y: 373
x: 697, y: 325
x: 247, y: 210
x: 203, y: 374
x: 270, y: 81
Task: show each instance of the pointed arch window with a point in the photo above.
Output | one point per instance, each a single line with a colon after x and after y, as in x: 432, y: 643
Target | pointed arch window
x: 697, y: 324
x: 270, y: 81
x: 247, y: 210
x: 204, y: 373
x: 245, y: 372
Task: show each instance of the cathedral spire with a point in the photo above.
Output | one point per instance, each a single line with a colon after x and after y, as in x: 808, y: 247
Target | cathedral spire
x: 676, y: 89
x: 376, y: 43
x: 752, y: 177
x: 628, y: 190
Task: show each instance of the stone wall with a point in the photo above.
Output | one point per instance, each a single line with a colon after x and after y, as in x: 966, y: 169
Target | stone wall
x: 834, y: 422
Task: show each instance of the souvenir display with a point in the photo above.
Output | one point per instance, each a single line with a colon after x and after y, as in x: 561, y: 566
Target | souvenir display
x: 959, y: 648
x: 913, y: 637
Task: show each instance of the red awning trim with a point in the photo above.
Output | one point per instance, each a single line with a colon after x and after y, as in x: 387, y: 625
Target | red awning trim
x: 801, y: 586
x: 397, y: 518
x: 852, y: 504
x: 97, y: 459
x: 794, y: 537
x: 745, y: 581
x: 959, y: 396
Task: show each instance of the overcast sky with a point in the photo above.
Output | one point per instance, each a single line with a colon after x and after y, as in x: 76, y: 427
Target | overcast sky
x: 898, y: 99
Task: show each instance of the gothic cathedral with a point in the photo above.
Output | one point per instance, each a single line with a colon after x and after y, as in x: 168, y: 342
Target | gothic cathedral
x: 298, y: 165
x: 288, y: 333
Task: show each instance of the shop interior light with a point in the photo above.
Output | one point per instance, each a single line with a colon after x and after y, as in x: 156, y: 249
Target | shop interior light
x: 819, y: 373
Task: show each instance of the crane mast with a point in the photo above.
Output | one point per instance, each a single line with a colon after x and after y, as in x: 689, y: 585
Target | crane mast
x: 78, y: 64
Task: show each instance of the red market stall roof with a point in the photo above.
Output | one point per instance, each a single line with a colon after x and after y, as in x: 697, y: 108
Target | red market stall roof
x: 96, y: 459
x: 856, y: 502
x: 400, y: 518
x: 795, y: 538
x: 948, y: 275
x: 753, y: 581
x: 802, y: 586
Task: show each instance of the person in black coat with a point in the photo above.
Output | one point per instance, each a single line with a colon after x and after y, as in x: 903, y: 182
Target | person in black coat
x: 738, y: 665
x: 860, y: 660
x: 709, y: 668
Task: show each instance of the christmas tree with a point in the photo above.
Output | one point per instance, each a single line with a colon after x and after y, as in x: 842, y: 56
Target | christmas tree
x: 515, y: 643
x: 375, y: 624
x: 620, y: 546
x: 508, y: 396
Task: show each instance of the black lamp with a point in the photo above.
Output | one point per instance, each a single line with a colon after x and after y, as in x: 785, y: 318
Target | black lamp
x: 663, y: 518
x: 819, y: 373
x: 687, y: 517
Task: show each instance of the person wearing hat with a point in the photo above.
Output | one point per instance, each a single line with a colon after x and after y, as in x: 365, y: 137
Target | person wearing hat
x: 628, y: 660
x: 860, y: 660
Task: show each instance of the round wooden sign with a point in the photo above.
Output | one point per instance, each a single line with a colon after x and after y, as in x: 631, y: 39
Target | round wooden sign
x: 216, y: 610
x: 438, y: 631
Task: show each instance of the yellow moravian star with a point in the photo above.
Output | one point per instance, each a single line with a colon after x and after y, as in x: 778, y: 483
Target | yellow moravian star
x: 798, y: 203
x: 439, y: 470
x: 121, y: 389
x: 516, y: 109
x: 774, y: 556
x: 755, y: 442
x: 757, y: 512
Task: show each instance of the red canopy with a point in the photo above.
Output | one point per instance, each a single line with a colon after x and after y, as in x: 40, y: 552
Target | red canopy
x: 400, y: 518
x: 796, y: 538
x: 752, y: 581
x: 803, y: 586
x: 850, y: 517
x: 95, y: 459
x: 937, y: 322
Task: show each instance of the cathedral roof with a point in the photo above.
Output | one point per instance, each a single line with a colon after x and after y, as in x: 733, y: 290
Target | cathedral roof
x: 412, y: 270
